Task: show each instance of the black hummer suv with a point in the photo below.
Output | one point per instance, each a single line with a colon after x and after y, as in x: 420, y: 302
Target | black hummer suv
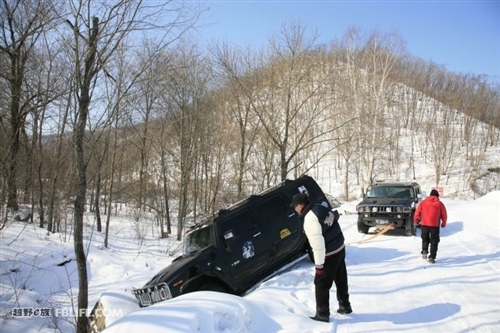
x: 389, y: 203
x: 238, y: 247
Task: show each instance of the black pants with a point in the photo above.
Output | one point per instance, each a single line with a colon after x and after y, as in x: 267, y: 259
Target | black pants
x: 430, y: 235
x: 335, y: 271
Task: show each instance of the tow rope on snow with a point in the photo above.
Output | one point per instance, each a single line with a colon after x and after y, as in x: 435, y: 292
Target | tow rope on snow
x: 381, y: 232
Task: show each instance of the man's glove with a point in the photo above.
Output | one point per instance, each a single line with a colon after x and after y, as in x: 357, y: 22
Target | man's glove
x: 320, y: 270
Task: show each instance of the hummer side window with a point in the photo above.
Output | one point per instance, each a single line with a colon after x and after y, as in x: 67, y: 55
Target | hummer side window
x: 272, y: 208
x: 238, y: 225
x: 199, y: 239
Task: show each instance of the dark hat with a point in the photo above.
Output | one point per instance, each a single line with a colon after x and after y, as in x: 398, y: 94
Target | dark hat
x: 435, y: 193
x: 299, y: 199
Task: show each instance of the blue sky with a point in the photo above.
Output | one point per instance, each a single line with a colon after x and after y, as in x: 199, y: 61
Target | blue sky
x: 464, y: 36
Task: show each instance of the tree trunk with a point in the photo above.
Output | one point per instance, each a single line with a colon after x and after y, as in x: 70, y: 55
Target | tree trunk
x: 83, y: 110
x: 15, y: 124
x: 97, y: 202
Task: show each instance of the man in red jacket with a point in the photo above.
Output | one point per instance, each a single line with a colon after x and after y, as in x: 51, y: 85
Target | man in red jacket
x: 432, y: 214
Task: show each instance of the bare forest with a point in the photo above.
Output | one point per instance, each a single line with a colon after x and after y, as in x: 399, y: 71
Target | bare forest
x: 111, y: 104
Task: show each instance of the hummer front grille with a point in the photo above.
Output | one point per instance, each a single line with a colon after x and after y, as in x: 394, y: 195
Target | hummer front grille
x: 151, y: 295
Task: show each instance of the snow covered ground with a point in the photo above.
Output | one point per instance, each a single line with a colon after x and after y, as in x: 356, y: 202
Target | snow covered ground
x: 392, y: 289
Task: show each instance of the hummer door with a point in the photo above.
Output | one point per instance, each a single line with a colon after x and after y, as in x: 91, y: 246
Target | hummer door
x: 281, y: 226
x: 245, y: 251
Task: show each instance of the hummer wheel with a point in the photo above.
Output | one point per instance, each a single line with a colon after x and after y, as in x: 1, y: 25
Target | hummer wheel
x: 362, y: 227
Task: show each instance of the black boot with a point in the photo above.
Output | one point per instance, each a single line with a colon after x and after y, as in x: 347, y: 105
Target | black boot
x: 317, y: 317
x: 344, y: 309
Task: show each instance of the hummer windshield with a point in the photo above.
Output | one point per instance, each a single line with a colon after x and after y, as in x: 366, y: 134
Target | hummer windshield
x: 199, y: 239
x: 390, y: 192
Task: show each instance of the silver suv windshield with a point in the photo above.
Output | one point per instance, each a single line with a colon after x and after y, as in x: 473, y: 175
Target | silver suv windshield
x: 198, y: 239
x: 390, y: 192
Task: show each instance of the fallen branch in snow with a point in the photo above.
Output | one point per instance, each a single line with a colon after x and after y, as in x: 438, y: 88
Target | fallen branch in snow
x: 64, y: 262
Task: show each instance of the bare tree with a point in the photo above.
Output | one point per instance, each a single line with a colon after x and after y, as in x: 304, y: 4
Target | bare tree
x: 288, y: 97
x: 345, y: 135
x: 161, y: 146
x: 153, y: 63
x: 48, y: 89
x: 236, y: 70
x: 293, y: 112
x: 60, y: 157
x: 440, y: 136
x: 186, y: 86
x: 147, y: 97
x: 379, y: 56
x: 125, y: 76
x: 98, y: 29
x: 352, y: 98
x: 84, y: 79
x: 22, y: 24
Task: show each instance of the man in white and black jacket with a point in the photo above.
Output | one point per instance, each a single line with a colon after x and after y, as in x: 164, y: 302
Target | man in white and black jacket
x: 327, y: 242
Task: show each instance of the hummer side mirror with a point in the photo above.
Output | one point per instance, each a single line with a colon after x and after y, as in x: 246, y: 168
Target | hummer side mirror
x: 227, y: 240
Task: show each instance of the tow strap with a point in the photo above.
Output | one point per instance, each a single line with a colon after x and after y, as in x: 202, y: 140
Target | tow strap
x: 381, y: 232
